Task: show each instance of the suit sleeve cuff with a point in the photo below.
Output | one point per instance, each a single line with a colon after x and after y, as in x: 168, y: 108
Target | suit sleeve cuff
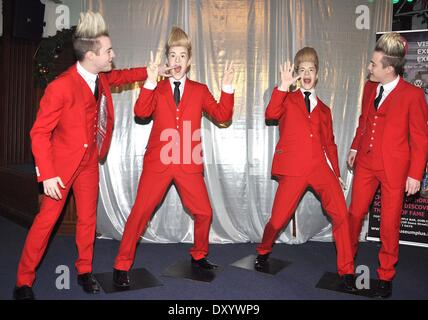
x: 149, y: 85
x: 228, y: 89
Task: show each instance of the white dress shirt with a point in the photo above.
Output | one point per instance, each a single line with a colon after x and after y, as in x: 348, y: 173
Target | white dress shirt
x: 312, y: 98
x: 89, y: 77
x: 387, y: 88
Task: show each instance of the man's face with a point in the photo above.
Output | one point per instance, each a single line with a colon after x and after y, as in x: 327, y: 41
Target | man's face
x: 103, y: 61
x: 308, y: 75
x: 377, y: 72
x: 178, y: 57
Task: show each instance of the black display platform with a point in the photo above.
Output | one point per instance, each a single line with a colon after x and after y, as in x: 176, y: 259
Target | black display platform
x: 140, y: 279
x: 184, y: 269
x: 273, y: 267
x: 332, y: 281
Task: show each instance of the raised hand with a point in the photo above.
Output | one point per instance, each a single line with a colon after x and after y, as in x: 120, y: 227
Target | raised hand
x: 229, y: 73
x: 153, y: 69
x: 287, y: 79
x: 164, y: 71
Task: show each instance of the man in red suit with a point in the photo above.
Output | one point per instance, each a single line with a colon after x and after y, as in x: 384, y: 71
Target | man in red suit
x: 389, y: 149
x: 75, y: 117
x: 306, y: 155
x: 173, y: 153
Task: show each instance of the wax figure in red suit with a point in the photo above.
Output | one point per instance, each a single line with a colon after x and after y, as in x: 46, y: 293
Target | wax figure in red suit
x: 389, y: 149
x: 176, y: 105
x: 306, y: 155
x: 72, y: 131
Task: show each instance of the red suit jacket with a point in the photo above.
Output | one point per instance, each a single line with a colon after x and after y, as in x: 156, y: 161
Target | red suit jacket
x: 59, y: 134
x: 293, y: 153
x: 184, y: 121
x: 405, y: 135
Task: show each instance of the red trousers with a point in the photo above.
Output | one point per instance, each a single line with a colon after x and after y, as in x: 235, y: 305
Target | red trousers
x: 324, y: 182
x: 85, y: 190
x: 364, y: 187
x: 151, y: 189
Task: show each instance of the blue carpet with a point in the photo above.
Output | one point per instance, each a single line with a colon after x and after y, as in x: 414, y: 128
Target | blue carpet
x: 297, y: 281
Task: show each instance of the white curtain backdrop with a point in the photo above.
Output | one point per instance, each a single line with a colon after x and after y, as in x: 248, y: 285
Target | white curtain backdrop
x: 257, y: 35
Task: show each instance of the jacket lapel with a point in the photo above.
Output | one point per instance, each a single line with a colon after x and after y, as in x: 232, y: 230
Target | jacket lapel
x: 299, y: 101
x: 166, y: 91
x: 392, y: 96
x: 86, y: 93
x: 188, y: 84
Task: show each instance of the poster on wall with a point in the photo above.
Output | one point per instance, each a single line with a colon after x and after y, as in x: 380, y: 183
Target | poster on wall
x: 414, y: 216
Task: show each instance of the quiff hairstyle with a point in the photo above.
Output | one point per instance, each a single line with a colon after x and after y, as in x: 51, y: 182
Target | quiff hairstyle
x: 306, y: 54
x: 178, y: 38
x: 392, y: 46
x: 91, y: 26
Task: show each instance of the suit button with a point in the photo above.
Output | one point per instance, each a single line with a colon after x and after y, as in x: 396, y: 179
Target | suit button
x: 375, y: 117
x: 309, y: 117
x: 311, y: 135
x: 177, y: 118
x: 373, y: 131
x: 85, y: 145
x: 371, y: 138
x: 371, y: 145
x: 374, y: 123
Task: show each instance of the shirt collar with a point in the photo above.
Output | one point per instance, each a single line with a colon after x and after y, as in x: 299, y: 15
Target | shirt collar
x: 390, y: 85
x: 85, y: 73
x: 312, y: 91
x: 182, y: 81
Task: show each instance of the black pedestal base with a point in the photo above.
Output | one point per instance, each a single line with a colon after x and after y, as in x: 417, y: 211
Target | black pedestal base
x: 273, y: 267
x: 332, y: 281
x: 185, y: 270
x: 140, y: 279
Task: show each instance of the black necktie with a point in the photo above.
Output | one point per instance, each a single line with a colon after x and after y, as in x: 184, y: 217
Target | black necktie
x: 307, y: 101
x: 96, y: 89
x: 177, y: 92
x: 378, y: 98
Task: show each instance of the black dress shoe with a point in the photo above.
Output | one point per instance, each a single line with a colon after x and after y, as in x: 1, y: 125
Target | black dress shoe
x: 88, y: 283
x: 204, y: 263
x: 23, y: 293
x: 348, y: 282
x: 383, y: 289
x: 261, y: 261
x: 121, y: 278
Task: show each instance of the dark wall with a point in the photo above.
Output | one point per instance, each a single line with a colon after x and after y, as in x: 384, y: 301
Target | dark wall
x: 18, y: 96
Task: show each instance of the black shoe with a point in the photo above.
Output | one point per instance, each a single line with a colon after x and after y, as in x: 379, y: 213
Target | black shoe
x: 204, y: 263
x: 88, y: 283
x: 348, y: 282
x: 261, y: 261
x: 121, y: 278
x: 383, y: 289
x: 23, y: 293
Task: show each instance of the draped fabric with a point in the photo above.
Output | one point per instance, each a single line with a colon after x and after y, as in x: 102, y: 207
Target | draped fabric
x: 257, y: 35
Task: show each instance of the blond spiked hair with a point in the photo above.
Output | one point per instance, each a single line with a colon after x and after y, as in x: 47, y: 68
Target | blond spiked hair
x: 178, y: 38
x: 392, y: 46
x: 91, y: 26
